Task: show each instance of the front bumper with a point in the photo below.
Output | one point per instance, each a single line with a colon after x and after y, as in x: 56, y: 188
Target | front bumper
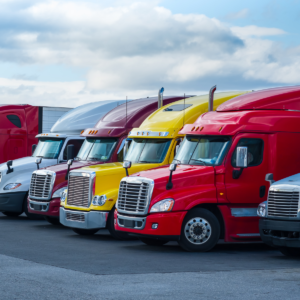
x: 45, y: 208
x: 279, y: 233
x: 83, y: 220
x: 12, y: 201
x: 168, y: 225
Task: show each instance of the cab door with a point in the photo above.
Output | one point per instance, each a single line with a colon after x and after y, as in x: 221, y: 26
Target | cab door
x: 250, y: 188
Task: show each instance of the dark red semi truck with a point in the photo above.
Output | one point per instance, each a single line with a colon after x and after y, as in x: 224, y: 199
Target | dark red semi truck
x: 104, y: 143
x: 19, y: 126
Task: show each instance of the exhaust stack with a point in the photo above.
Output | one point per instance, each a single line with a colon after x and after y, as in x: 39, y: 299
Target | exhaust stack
x: 211, y: 98
x: 160, y: 97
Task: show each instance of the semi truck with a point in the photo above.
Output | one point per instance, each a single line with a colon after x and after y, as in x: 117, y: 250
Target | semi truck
x: 52, y: 148
x: 89, y: 202
x: 213, y: 187
x: 19, y: 126
x: 279, y: 223
x: 106, y: 142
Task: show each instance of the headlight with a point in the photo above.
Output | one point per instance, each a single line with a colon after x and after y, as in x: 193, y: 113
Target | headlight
x: 12, y: 186
x: 163, y: 205
x: 262, y: 209
x: 99, y: 200
x: 58, y: 193
x: 63, y: 194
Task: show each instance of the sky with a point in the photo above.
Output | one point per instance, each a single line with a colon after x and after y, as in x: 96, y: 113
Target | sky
x: 68, y: 53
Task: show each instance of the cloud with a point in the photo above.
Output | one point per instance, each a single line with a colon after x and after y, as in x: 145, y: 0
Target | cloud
x: 238, y: 15
x: 133, y: 48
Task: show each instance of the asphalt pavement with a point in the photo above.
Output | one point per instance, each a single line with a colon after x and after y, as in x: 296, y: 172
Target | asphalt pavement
x: 42, y: 261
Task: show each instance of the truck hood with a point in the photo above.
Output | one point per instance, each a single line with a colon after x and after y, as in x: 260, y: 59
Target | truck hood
x: 22, y: 170
x: 187, y: 180
x: 287, y: 183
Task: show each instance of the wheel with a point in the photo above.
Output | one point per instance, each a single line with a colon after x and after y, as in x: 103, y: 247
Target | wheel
x: 118, y: 235
x: 11, y: 213
x: 153, y: 242
x: 53, y: 221
x: 200, y: 230
x: 28, y: 214
x: 85, y: 231
x: 290, y: 251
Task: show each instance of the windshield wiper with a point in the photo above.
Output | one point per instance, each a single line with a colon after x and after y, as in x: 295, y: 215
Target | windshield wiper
x: 77, y: 158
x: 146, y: 161
x: 179, y: 162
x: 200, y: 160
x: 94, y: 158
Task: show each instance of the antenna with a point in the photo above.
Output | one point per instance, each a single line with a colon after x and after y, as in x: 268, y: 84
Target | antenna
x: 183, y: 108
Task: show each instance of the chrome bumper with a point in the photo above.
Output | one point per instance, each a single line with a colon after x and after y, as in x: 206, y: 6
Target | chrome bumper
x: 39, y: 206
x: 131, y: 222
x: 84, y: 220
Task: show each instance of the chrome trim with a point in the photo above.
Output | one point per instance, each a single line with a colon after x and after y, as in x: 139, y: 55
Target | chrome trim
x: 148, y: 133
x: 136, y: 219
x: 81, y: 173
x: 244, y: 212
x: 39, y: 203
x: 138, y: 180
x: 44, y: 173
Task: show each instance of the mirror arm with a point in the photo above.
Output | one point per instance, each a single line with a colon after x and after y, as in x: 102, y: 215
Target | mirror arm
x: 67, y: 174
x: 126, y: 170
x: 237, y: 173
x: 169, y: 185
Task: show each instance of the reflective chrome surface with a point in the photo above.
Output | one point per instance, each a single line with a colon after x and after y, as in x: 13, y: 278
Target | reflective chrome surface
x: 41, y: 185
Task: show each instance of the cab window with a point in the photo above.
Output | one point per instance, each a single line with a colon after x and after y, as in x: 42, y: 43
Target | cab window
x: 255, y: 151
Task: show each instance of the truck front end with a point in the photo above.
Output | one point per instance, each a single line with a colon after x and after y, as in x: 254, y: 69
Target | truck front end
x: 279, y: 223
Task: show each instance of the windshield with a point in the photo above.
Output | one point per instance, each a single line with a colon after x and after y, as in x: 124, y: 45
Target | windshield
x: 48, y: 148
x: 148, y: 150
x: 96, y: 149
x: 204, y: 150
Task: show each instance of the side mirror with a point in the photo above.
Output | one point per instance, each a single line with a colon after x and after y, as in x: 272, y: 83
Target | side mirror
x: 242, y: 157
x: 269, y: 178
x: 33, y: 147
x: 9, y: 169
x: 172, y: 168
x: 38, y: 160
x: 70, y: 152
x: 126, y: 166
x: 69, y: 163
x: 125, y: 149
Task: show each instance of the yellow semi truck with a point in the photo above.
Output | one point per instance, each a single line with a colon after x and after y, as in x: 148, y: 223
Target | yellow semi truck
x: 89, y: 202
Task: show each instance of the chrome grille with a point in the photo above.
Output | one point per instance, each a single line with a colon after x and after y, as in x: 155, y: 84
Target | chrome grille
x: 41, y: 185
x: 77, y: 217
x: 283, y: 203
x: 0, y: 176
x: 78, y: 191
x: 134, y: 196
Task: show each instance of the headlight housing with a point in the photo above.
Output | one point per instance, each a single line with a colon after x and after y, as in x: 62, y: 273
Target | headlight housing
x: 12, y: 186
x: 63, y: 195
x: 262, y: 209
x: 99, y: 200
x: 58, y: 193
x: 163, y: 205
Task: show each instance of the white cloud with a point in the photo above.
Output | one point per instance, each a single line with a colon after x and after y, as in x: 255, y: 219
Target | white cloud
x: 238, y: 15
x: 133, y: 48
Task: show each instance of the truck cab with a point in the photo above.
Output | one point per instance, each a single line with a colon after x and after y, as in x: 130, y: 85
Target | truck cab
x: 52, y: 149
x: 92, y: 192
x: 279, y: 223
x: 106, y: 142
x: 218, y: 177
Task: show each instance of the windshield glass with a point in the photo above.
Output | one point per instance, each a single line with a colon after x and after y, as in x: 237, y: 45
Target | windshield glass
x: 96, y: 149
x: 48, y: 148
x: 148, y: 150
x: 204, y: 150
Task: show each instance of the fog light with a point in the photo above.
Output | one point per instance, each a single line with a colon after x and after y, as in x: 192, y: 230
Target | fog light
x: 154, y: 226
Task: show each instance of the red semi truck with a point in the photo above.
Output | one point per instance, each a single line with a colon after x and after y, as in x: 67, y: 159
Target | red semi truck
x: 220, y: 174
x: 104, y: 143
x: 19, y: 126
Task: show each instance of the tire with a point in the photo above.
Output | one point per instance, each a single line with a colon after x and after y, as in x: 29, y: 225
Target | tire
x: 53, y: 221
x: 200, y: 231
x: 292, y: 252
x: 153, y: 242
x: 11, y: 214
x: 118, y: 235
x: 29, y: 215
x: 85, y: 231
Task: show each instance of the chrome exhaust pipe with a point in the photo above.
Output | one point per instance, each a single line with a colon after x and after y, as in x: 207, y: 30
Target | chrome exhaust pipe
x: 160, y: 97
x: 211, y: 98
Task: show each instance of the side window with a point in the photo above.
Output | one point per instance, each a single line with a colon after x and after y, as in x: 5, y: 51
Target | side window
x: 77, y: 145
x: 15, y: 120
x: 121, y: 150
x: 255, y: 151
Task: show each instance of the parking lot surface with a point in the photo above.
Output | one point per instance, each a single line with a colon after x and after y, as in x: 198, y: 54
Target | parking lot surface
x: 42, y: 261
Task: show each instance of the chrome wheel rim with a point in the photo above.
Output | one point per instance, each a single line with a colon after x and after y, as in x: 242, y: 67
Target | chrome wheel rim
x: 197, y: 231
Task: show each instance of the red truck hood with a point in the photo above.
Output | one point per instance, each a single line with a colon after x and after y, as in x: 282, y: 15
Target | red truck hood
x: 188, y: 181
